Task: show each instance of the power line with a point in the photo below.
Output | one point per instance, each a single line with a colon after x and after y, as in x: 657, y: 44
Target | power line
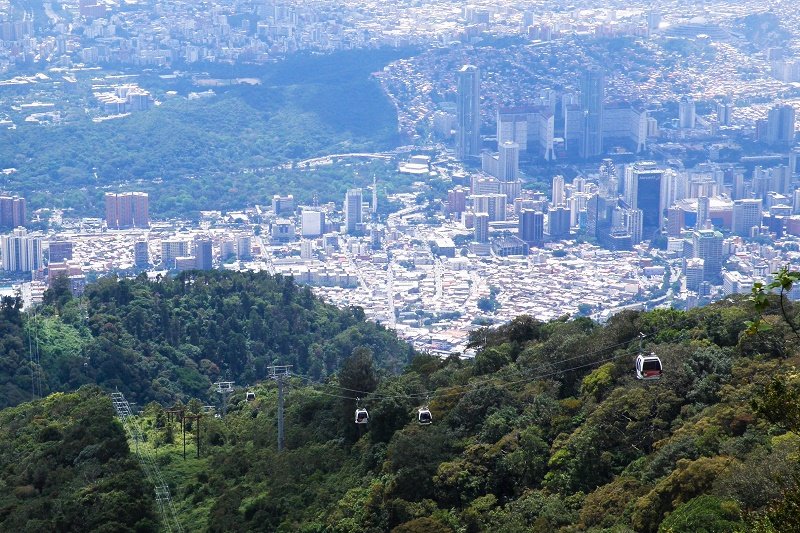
x: 460, y: 389
x: 166, y: 508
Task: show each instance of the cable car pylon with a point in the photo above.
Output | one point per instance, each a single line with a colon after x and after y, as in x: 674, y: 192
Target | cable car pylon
x: 278, y: 374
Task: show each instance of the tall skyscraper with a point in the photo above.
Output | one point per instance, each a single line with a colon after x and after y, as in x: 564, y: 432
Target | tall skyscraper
x: 780, y: 125
x: 593, y: 88
x: 21, y: 252
x: 724, y: 113
x: 687, y: 116
x: 703, y: 211
x: 558, y: 222
x: 481, y: 227
x: 644, y: 189
x: 457, y: 200
x: 531, y: 227
x: 353, y: 205
x: 141, y: 254
x: 468, y: 113
x: 492, y: 204
x: 244, y: 248
x: 746, y: 214
x: 558, y: 191
x: 708, y: 247
x: 127, y: 210
x: 202, y: 253
x: 12, y: 212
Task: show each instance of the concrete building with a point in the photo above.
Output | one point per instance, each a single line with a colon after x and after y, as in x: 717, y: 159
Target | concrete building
x: 531, y: 128
x: 508, y: 165
x: 492, y: 204
x: 244, y: 248
x: 283, y: 205
x: 558, y: 222
x: 12, y: 212
x: 693, y: 270
x: 171, y: 249
x: 559, y: 196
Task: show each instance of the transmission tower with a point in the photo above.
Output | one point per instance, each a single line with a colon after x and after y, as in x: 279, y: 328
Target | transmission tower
x: 279, y: 374
x: 225, y: 388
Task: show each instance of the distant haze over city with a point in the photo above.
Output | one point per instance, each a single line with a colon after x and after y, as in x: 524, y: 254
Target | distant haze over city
x: 444, y: 166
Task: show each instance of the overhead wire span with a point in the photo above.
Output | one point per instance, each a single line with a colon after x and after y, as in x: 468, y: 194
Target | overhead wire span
x: 457, y: 390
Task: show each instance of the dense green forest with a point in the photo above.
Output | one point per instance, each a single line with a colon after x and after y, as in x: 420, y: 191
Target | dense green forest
x: 221, y: 152
x: 172, y: 338
x: 65, y: 466
x: 547, y: 429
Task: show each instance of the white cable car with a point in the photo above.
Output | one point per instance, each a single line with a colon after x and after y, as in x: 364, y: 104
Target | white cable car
x: 362, y: 416
x: 648, y: 366
x: 424, y: 416
x: 251, y: 396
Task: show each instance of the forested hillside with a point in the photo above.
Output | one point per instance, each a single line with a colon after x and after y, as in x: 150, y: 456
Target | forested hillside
x: 547, y: 429
x: 173, y: 338
x: 65, y: 466
x: 221, y: 152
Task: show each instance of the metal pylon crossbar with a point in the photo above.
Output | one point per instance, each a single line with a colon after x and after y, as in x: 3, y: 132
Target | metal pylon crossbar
x: 166, y: 508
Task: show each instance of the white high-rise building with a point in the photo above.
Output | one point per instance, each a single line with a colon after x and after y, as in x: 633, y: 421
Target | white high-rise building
x: 312, y: 223
x: 353, y: 209
x: 746, y: 215
x: 21, y: 252
x: 687, y: 118
x: 508, y: 168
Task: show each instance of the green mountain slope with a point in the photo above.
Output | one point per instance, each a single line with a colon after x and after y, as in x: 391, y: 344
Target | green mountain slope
x: 547, y: 429
x: 65, y: 466
x: 173, y: 338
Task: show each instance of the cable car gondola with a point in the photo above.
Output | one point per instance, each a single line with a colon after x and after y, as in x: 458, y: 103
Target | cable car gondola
x: 424, y: 416
x: 362, y: 415
x: 648, y: 367
x: 250, y: 396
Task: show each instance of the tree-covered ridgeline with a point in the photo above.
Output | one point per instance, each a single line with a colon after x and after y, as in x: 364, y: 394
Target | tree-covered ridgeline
x: 547, y: 429
x: 172, y: 338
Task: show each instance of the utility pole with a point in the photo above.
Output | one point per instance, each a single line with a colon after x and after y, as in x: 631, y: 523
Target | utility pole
x: 225, y: 388
x: 278, y: 374
x: 178, y: 413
